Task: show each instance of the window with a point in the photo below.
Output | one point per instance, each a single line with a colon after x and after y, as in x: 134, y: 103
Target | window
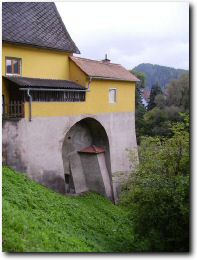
x: 112, y: 95
x: 13, y: 66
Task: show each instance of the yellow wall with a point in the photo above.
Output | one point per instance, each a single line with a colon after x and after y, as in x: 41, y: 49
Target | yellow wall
x: 76, y: 74
x: 38, y: 63
x: 97, y: 101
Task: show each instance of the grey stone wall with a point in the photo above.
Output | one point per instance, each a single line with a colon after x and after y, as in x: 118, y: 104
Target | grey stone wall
x: 36, y: 147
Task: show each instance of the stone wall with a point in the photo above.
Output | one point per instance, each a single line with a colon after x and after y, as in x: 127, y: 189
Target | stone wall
x: 36, y: 147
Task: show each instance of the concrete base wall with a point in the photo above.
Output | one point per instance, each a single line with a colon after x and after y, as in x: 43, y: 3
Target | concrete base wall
x: 36, y: 147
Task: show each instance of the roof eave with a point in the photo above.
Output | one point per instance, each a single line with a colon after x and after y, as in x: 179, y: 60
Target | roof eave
x: 110, y: 78
x: 25, y: 85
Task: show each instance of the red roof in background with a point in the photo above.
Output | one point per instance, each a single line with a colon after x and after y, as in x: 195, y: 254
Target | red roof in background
x: 146, y: 94
x: 92, y: 149
x: 103, y: 70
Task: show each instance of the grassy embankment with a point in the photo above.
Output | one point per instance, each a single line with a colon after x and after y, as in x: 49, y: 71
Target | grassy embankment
x: 36, y: 219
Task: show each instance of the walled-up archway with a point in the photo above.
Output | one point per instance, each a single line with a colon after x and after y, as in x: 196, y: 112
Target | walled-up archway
x: 86, y: 158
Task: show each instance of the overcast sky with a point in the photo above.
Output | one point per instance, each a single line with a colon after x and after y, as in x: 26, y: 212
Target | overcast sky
x: 130, y: 32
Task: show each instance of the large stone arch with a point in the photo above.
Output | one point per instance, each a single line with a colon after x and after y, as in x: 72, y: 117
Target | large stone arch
x: 86, y: 166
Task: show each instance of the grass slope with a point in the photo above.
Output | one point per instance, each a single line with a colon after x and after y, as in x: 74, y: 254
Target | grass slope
x: 36, y: 219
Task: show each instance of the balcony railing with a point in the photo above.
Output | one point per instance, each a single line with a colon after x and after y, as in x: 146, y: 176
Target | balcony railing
x: 13, y: 110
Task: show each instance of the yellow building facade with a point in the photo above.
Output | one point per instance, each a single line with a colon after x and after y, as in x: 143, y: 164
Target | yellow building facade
x: 49, y: 64
x: 68, y: 122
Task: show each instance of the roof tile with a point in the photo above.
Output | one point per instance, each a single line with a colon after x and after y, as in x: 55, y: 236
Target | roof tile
x: 35, y: 23
x: 103, y: 70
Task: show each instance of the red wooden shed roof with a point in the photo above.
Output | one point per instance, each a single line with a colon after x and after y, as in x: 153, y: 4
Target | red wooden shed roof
x: 92, y: 149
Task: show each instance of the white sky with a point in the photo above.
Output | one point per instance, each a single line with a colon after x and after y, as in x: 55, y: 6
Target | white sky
x: 130, y: 32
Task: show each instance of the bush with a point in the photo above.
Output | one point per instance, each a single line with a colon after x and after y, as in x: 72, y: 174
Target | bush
x: 158, y: 196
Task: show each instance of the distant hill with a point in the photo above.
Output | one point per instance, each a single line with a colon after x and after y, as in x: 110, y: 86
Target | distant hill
x: 155, y: 73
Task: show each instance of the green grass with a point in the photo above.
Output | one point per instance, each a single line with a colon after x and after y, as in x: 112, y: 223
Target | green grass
x: 36, y: 219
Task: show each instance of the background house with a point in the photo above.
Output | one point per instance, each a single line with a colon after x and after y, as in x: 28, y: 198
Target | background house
x: 68, y: 121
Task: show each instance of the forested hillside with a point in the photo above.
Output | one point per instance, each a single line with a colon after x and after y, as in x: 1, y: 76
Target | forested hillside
x: 158, y: 74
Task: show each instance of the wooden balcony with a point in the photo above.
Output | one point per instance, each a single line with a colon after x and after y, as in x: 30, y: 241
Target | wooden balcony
x: 13, y: 110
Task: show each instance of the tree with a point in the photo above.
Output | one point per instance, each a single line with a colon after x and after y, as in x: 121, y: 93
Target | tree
x: 156, y: 123
x: 140, y: 110
x: 165, y: 108
x: 140, y: 85
x: 158, y: 120
x: 157, y: 196
x: 178, y: 93
x: 160, y: 101
x: 155, y: 90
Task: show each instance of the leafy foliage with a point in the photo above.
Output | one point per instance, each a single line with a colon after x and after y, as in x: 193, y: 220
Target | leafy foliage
x: 156, y: 123
x: 165, y: 108
x: 158, y: 196
x: 36, y: 219
x: 140, y: 110
x: 178, y: 93
x: 139, y: 87
x: 140, y: 124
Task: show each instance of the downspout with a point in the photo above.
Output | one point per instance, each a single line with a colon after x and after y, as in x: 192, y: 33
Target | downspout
x: 30, y: 102
x: 90, y: 80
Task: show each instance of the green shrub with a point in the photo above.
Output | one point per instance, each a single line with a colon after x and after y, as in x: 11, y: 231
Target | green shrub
x: 158, y: 196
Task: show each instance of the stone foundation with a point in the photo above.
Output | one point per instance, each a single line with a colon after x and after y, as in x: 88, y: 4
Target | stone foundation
x: 36, y: 147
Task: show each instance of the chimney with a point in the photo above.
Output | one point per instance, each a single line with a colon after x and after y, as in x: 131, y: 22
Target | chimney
x: 106, y: 60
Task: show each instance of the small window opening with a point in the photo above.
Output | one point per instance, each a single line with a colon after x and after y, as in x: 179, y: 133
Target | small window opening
x: 112, y: 95
x: 13, y: 66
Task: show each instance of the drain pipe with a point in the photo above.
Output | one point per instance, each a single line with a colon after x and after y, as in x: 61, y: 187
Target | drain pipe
x: 30, y: 102
x: 90, y: 80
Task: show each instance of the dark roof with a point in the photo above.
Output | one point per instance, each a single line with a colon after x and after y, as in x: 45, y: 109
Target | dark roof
x: 43, y: 83
x: 35, y: 23
x: 103, y: 69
